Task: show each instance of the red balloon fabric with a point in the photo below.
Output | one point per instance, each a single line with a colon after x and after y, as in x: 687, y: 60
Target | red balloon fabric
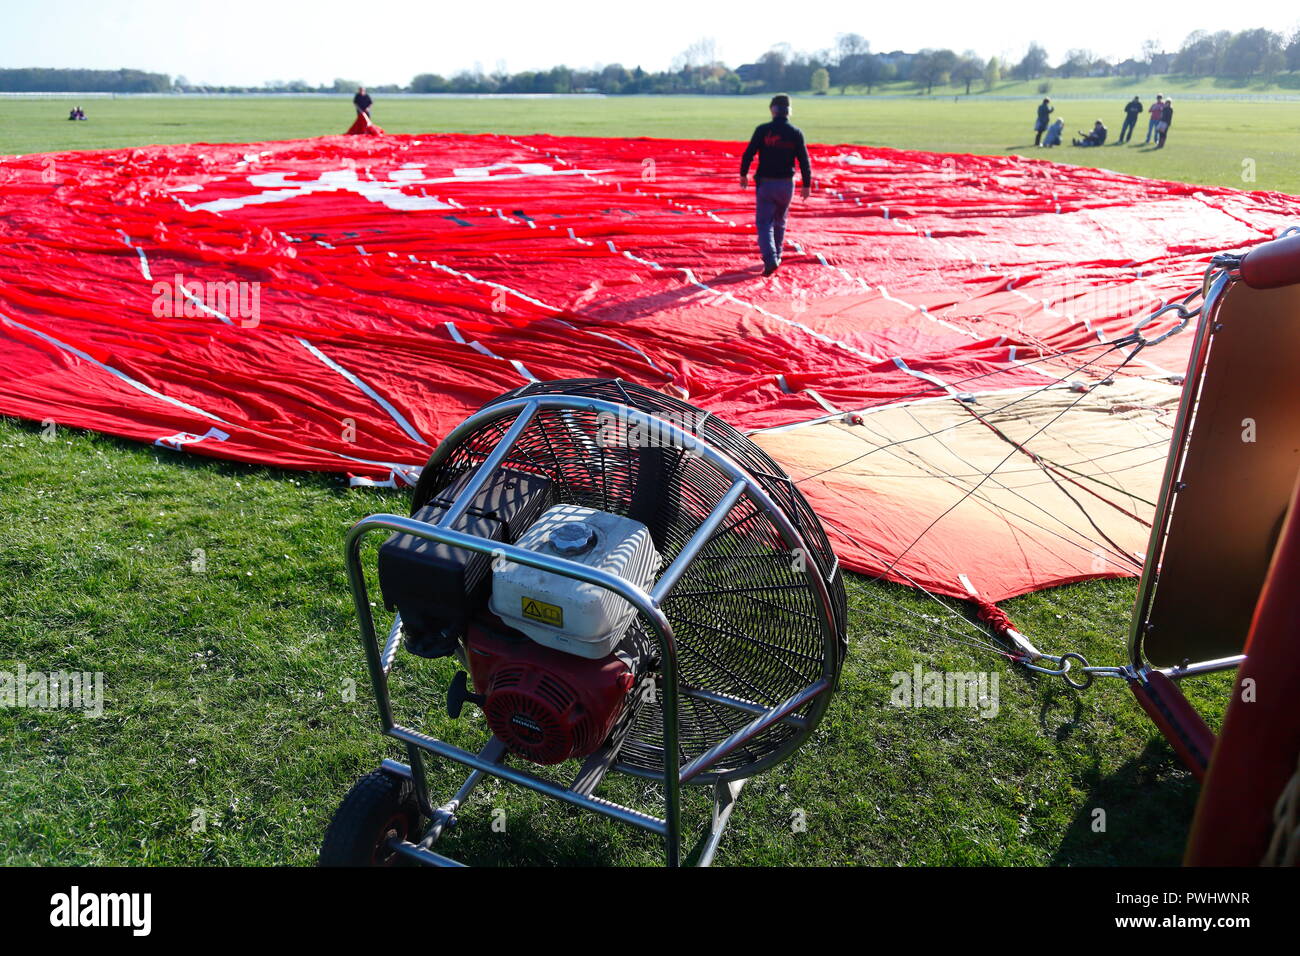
x: 363, y: 126
x: 339, y: 304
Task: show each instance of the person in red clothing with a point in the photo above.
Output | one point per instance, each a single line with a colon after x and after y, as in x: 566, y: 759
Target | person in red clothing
x: 1157, y: 110
x: 778, y: 145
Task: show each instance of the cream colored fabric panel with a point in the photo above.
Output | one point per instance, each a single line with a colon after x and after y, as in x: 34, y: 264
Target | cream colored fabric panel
x: 1075, y: 499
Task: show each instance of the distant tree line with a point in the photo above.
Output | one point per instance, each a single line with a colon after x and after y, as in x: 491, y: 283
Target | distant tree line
x: 41, y: 80
x: 1244, y: 56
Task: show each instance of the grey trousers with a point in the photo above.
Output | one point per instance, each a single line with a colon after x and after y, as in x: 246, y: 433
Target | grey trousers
x: 771, y: 204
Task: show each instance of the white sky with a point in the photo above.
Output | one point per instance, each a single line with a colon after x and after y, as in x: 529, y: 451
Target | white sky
x: 246, y: 42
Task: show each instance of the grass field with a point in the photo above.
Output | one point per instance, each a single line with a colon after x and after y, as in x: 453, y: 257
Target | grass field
x: 227, y: 704
x: 231, y: 731
x: 1285, y: 84
x: 1209, y: 143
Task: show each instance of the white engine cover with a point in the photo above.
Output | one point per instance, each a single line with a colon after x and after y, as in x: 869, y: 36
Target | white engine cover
x: 563, y: 613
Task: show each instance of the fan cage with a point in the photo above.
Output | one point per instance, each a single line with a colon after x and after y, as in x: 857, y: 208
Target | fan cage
x: 746, y: 619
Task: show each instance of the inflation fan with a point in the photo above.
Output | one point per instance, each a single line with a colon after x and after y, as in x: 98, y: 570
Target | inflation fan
x: 628, y: 583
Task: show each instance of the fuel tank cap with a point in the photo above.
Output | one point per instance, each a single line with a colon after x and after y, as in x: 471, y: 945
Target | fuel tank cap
x: 573, y: 537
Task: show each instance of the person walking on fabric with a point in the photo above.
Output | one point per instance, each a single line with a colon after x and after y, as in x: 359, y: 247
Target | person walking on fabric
x: 777, y: 145
x: 1040, y: 122
x: 1132, y: 110
x: 362, y: 101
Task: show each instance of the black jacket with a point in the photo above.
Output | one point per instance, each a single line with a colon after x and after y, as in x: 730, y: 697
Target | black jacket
x: 362, y: 102
x: 1133, y: 109
x: 778, y: 145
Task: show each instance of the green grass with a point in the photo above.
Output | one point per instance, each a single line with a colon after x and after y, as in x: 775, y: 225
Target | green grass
x: 1286, y: 84
x: 227, y: 699
x: 1210, y: 140
x: 230, y: 690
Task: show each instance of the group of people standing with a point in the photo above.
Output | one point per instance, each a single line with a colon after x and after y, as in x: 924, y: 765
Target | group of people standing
x: 1159, y: 117
x: 1047, y: 132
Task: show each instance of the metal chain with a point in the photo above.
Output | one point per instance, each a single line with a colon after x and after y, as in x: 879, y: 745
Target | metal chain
x: 1065, y: 667
x: 1225, y: 263
x: 1219, y: 264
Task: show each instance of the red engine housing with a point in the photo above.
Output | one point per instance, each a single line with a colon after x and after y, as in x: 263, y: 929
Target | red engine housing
x: 545, y: 705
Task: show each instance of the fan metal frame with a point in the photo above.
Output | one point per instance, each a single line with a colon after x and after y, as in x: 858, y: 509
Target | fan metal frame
x: 801, y: 711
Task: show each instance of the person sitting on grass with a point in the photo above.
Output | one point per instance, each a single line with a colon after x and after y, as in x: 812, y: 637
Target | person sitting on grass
x: 1053, y: 137
x: 1095, y: 138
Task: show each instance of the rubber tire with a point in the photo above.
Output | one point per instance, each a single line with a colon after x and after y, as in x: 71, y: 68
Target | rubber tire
x: 378, y: 806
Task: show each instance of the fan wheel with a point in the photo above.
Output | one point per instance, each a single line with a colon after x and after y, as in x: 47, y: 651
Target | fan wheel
x: 379, y: 809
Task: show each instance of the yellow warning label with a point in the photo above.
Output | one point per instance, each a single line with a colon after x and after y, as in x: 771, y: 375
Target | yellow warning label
x: 542, y: 612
